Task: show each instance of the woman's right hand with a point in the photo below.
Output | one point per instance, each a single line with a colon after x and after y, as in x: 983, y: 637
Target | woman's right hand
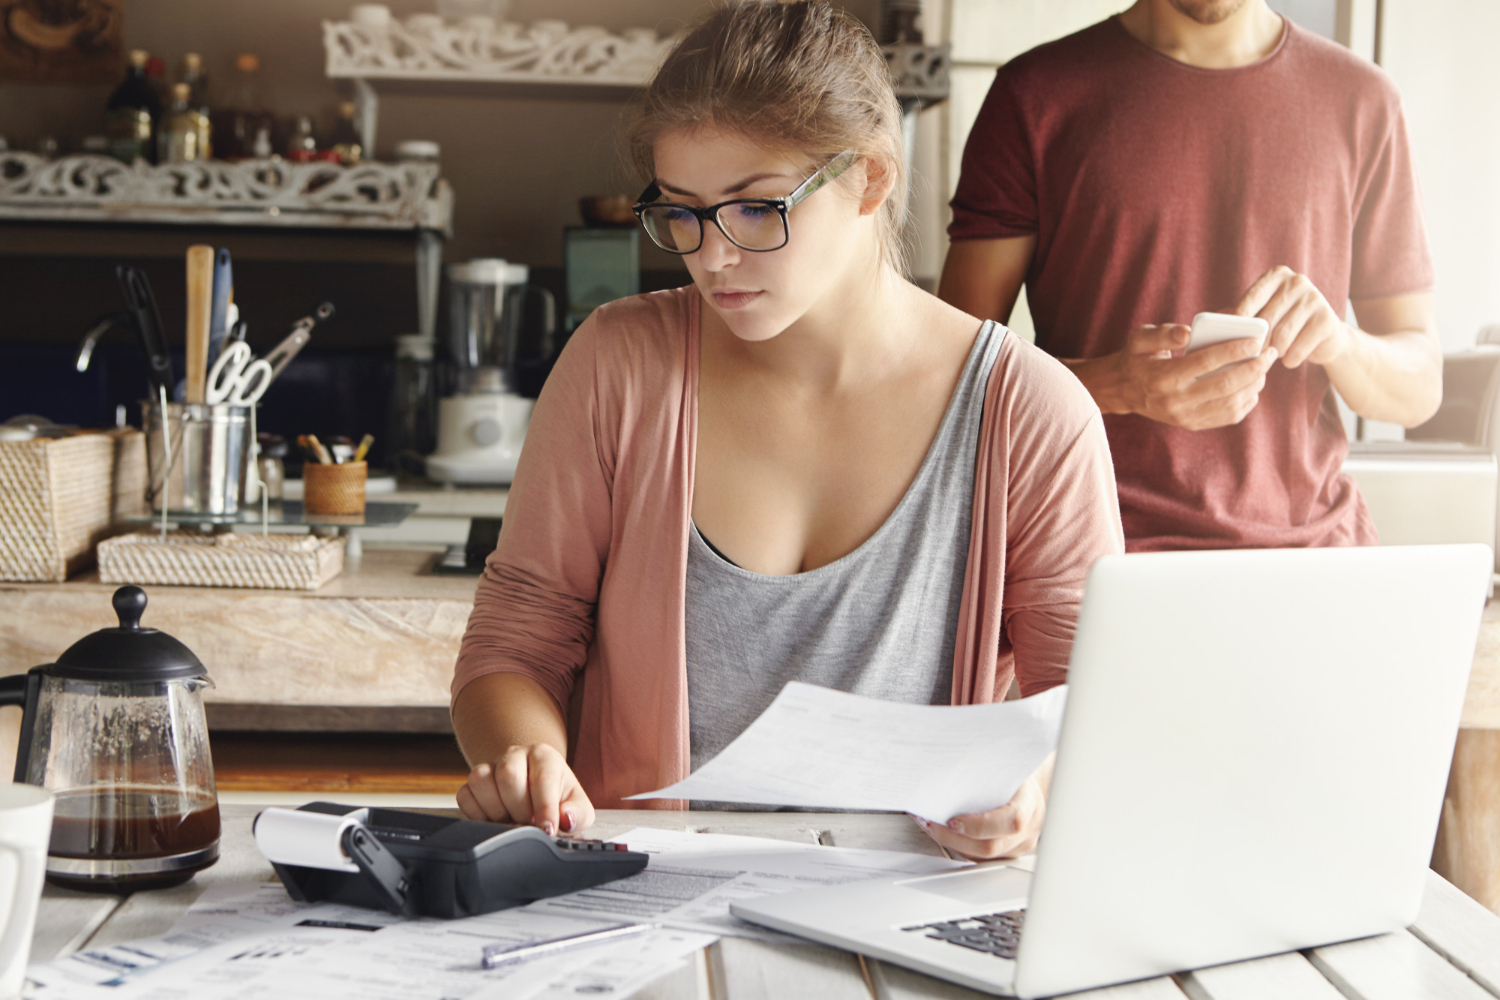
x: 528, y: 785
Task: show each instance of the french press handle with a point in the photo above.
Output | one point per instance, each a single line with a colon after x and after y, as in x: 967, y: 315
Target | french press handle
x: 22, y: 690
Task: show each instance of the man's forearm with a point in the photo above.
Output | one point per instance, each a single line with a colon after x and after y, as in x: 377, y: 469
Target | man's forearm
x: 1395, y: 377
x: 498, y: 711
x: 1104, y: 381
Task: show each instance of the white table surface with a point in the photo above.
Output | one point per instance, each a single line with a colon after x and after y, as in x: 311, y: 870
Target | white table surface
x: 1451, y: 953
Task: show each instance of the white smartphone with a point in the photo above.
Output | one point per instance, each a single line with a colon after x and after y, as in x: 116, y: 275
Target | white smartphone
x: 1217, y: 328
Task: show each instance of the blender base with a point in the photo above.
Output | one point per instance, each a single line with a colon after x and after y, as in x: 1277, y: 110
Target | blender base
x: 479, y: 438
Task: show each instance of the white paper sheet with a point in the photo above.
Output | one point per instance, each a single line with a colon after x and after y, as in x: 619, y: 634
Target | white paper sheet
x: 818, y: 748
x: 242, y: 941
x: 693, y: 877
x: 246, y: 941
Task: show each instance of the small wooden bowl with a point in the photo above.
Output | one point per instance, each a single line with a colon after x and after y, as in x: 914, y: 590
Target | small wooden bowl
x: 606, y: 210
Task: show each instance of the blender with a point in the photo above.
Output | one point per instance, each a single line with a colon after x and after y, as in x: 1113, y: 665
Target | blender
x: 482, y: 424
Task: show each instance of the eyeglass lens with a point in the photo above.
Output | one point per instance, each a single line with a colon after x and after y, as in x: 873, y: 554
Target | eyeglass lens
x: 749, y: 225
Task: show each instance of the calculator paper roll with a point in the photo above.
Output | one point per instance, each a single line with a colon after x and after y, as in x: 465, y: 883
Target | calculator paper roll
x: 306, y: 839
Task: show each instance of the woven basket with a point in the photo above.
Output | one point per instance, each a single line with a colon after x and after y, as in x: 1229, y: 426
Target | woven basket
x: 193, y: 559
x: 334, y: 489
x: 58, y: 497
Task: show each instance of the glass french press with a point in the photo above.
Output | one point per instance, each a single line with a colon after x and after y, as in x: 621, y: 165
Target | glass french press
x: 116, y: 730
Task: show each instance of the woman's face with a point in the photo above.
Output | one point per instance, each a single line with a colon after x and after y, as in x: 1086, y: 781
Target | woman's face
x: 758, y: 295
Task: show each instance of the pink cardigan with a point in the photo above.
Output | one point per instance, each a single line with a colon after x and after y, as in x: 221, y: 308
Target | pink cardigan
x: 587, y: 581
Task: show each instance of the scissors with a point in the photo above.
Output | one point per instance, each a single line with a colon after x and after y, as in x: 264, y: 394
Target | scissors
x: 238, y: 377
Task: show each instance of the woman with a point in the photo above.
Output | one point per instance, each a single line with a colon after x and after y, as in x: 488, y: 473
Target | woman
x: 799, y: 467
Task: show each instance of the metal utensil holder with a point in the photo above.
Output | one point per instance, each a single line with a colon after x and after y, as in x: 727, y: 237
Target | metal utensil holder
x: 199, y: 467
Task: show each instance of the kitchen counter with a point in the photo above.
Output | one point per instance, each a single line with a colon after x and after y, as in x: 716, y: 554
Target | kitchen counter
x: 373, y: 649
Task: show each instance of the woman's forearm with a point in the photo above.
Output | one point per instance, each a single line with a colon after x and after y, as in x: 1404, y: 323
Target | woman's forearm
x: 502, y: 710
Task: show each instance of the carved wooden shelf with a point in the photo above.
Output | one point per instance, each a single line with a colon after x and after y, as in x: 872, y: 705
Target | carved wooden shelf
x: 267, y: 193
x: 425, y: 47
x: 479, y: 54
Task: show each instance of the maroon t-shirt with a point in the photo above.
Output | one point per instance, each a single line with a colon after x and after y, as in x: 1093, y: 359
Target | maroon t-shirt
x: 1158, y: 190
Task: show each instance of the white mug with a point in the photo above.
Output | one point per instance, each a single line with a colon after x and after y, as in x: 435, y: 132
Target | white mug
x: 25, y: 830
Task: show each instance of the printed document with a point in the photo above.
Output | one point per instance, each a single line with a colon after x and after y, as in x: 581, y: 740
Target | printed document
x: 243, y: 941
x: 693, y: 877
x: 250, y: 941
x: 819, y: 748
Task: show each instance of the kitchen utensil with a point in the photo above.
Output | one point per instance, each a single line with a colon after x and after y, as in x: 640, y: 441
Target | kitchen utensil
x: 364, y: 447
x: 25, y: 827
x: 238, y: 377
x: 322, y: 314
x: 198, y: 466
x: 223, y: 291
x: 116, y: 730
x: 282, y: 354
x: 200, y: 288
x: 99, y: 329
x: 139, y: 300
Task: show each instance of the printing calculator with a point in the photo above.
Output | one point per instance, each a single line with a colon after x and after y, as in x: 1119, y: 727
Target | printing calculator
x: 415, y: 863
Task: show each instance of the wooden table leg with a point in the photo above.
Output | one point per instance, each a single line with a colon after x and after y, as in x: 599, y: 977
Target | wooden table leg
x: 1468, y: 841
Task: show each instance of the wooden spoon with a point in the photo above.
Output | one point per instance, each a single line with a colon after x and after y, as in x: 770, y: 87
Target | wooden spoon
x: 200, y: 294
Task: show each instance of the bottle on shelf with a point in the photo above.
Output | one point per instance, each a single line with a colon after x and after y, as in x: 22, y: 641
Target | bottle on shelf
x: 345, y: 140
x: 133, y: 113
x: 303, y: 147
x: 181, y: 138
x: 196, y: 78
x: 238, y: 124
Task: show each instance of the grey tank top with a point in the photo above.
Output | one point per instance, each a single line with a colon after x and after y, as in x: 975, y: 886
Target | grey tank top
x: 880, y: 622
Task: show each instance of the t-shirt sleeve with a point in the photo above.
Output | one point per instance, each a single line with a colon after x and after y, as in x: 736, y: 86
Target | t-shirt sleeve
x: 1390, y: 255
x: 996, y: 196
x: 534, y: 610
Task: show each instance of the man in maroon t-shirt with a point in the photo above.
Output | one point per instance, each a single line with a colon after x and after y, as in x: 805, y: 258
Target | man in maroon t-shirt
x: 1195, y: 156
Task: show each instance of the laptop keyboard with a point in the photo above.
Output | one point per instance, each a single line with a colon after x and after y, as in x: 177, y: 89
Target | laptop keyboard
x: 998, y: 934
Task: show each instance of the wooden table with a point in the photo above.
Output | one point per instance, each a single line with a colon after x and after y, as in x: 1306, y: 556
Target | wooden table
x: 1451, y: 953
x: 373, y: 651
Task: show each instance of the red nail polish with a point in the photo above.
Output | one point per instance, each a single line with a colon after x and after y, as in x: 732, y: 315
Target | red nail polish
x: 567, y: 821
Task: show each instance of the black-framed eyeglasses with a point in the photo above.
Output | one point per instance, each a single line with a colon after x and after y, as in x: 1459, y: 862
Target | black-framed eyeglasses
x: 755, y: 224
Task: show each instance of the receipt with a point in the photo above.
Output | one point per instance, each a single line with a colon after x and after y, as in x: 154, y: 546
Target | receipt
x: 819, y: 748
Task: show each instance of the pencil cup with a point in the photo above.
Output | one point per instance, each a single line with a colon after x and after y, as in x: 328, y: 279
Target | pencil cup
x: 334, y: 489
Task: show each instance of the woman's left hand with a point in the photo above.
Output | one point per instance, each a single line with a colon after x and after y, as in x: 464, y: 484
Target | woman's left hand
x: 1007, y: 832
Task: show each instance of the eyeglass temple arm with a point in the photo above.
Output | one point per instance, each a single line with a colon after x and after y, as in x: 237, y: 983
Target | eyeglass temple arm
x: 652, y: 193
x: 829, y: 173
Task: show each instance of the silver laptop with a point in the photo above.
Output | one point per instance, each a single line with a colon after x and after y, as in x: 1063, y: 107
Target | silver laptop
x: 1252, y: 761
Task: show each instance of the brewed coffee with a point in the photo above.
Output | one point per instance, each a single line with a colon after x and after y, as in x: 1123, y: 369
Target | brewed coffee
x: 118, y: 824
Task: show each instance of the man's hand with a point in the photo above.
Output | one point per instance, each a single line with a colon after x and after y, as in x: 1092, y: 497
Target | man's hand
x: 1189, y: 391
x: 529, y: 785
x: 1304, y: 326
x: 1007, y: 832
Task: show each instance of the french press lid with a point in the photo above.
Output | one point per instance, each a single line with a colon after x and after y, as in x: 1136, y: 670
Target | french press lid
x: 129, y: 652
